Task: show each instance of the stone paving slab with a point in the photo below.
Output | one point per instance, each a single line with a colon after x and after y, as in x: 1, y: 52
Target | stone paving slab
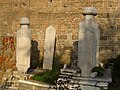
x: 13, y: 88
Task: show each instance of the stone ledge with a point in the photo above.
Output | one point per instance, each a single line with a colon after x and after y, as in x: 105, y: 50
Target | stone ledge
x: 94, y: 79
x: 74, y: 81
x: 13, y: 88
x: 37, y: 84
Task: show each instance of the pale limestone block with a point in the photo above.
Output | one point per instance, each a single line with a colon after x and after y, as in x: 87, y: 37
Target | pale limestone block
x: 23, y: 46
x: 94, y: 74
x: 89, y: 88
x: 93, y: 83
x: 102, y: 84
x: 89, y: 11
x: 49, y: 48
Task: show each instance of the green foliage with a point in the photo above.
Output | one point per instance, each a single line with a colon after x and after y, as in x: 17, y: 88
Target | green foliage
x: 48, y: 76
x: 99, y: 70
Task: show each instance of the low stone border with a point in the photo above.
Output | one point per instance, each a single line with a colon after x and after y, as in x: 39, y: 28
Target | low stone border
x: 34, y: 85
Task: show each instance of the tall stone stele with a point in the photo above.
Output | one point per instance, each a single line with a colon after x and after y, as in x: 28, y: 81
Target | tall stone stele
x: 88, y: 42
x: 23, y: 46
x: 49, y: 47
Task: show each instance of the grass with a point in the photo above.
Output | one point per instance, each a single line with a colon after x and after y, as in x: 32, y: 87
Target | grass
x: 48, y: 76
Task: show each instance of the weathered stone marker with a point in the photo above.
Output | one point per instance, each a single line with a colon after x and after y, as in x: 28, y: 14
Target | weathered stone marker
x: 23, y: 46
x: 88, y: 42
x: 49, y: 47
x: 81, y: 75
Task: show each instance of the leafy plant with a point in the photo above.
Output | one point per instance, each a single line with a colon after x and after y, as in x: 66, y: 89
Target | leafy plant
x: 48, y: 76
x: 99, y: 70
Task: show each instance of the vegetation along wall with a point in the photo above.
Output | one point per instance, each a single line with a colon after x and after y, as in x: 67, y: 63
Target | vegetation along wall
x: 65, y: 16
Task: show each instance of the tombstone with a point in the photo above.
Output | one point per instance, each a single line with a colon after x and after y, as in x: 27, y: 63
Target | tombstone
x: 23, y: 46
x: 88, y: 42
x: 49, y: 47
x: 80, y: 76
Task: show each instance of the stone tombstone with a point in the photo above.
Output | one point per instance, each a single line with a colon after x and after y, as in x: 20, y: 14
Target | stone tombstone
x: 88, y: 42
x: 49, y: 47
x: 23, y: 46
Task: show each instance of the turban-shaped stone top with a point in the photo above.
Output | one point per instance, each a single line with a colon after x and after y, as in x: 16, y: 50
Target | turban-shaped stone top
x: 24, y: 21
x: 89, y: 11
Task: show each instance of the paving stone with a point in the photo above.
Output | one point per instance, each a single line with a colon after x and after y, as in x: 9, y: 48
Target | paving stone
x: 104, y: 84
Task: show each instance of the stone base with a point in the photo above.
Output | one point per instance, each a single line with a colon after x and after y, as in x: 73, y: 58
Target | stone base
x: 70, y: 70
x: 69, y: 80
x: 73, y: 72
x: 89, y: 88
x: 34, y: 85
x: 11, y: 79
x: 13, y: 88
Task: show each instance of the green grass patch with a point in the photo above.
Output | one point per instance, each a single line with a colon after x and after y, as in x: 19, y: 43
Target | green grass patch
x: 49, y: 77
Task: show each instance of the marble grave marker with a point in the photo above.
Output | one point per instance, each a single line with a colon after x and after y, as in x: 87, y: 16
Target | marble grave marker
x: 49, y: 48
x: 88, y: 42
x: 23, y: 46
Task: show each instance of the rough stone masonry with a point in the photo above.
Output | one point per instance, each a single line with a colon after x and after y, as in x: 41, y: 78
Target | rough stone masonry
x: 64, y: 15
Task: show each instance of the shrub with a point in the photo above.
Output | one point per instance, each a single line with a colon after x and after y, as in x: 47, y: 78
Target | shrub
x: 48, y: 76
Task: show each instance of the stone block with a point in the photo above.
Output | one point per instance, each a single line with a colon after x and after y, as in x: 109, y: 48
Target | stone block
x: 90, y: 88
x: 94, y: 74
x: 112, y: 4
x: 74, y: 37
x: 61, y: 37
x: 102, y: 84
x: 102, y: 15
x: 98, y: 4
x: 69, y: 70
x: 86, y: 4
x: 92, y: 83
x: 44, y: 16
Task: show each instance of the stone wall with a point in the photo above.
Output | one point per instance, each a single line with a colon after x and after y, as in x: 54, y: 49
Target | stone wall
x: 7, y: 54
x: 64, y: 15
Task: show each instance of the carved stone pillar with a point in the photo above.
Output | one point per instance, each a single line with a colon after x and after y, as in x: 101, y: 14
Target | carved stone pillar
x: 88, y: 42
x: 23, y: 46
